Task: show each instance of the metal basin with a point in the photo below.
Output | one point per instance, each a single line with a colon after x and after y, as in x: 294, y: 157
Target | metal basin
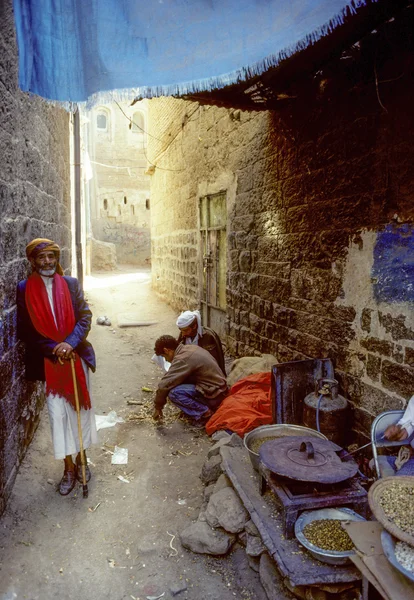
x: 277, y: 430
x: 388, y: 545
x: 327, y: 556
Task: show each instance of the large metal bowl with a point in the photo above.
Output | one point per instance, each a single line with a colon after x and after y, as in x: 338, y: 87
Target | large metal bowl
x: 276, y: 431
x: 327, y: 556
x: 388, y: 542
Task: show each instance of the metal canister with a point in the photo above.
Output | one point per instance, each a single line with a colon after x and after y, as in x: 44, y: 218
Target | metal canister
x: 327, y: 411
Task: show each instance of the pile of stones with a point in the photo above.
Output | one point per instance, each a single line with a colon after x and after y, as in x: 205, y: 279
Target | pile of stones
x: 223, y: 521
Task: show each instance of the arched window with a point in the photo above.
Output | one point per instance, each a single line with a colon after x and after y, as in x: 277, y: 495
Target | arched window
x: 102, y: 120
x: 137, y: 125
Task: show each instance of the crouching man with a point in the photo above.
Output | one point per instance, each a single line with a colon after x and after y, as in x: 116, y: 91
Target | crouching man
x: 194, y: 382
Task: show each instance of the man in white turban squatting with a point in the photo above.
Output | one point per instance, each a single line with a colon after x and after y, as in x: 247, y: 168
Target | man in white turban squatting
x: 192, y: 332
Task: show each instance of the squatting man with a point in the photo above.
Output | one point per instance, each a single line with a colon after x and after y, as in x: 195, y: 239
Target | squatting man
x: 53, y: 320
x: 194, y: 382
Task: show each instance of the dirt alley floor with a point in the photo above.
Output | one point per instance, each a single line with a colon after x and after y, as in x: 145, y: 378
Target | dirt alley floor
x: 54, y: 547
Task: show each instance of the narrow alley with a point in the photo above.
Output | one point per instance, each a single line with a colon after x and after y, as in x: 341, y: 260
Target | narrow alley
x: 122, y: 541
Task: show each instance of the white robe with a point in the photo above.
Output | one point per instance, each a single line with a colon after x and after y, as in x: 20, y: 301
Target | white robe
x: 62, y: 416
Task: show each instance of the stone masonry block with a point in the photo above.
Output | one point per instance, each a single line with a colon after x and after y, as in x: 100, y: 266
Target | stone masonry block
x: 398, y: 378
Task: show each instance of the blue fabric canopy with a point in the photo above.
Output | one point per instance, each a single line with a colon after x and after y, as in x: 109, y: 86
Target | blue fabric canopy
x: 70, y: 50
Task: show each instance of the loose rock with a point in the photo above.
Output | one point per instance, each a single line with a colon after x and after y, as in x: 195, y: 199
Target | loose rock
x: 254, y: 546
x: 200, y: 538
x: 251, y: 528
x: 232, y: 441
x: 220, y: 435
x: 211, y: 470
x: 225, y: 509
x: 222, y: 482
x: 177, y: 588
x: 210, y: 489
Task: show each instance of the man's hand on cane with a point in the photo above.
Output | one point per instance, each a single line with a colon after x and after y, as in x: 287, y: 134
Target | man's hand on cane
x: 64, y: 351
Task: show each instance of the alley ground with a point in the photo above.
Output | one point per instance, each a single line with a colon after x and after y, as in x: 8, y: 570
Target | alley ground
x: 122, y: 541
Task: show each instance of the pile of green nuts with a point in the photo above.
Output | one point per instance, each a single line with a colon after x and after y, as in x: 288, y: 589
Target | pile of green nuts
x: 328, y: 535
x: 397, y: 501
x: 255, y: 445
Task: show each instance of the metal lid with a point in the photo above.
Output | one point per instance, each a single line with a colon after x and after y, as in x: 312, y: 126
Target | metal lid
x: 306, y: 459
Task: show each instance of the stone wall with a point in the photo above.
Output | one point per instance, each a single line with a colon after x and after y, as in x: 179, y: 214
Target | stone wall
x: 34, y: 202
x: 320, y: 226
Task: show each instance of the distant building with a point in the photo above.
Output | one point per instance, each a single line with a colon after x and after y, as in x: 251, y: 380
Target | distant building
x: 116, y: 188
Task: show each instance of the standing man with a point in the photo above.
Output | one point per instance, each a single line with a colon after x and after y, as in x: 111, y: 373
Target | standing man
x: 194, y: 381
x: 192, y: 332
x: 53, y: 320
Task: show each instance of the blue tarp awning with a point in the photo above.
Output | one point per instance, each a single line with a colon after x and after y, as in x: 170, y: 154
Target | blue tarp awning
x: 70, y: 50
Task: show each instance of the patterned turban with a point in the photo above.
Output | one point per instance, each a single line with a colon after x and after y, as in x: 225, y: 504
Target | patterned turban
x: 41, y: 244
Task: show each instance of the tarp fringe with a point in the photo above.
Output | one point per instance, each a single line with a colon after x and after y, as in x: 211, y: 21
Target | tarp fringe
x: 215, y: 83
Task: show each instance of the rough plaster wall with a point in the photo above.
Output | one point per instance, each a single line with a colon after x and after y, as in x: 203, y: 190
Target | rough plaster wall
x: 34, y: 202
x: 123, y: 183
x: 318, y: 184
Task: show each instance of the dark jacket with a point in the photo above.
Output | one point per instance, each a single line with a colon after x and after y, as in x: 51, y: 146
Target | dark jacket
x: 211, y: 342
x: 192, y: 364
x: 38, y: 347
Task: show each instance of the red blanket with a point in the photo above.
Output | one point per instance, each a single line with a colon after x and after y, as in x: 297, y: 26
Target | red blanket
x: 247, y: 406
x: 58, y: 376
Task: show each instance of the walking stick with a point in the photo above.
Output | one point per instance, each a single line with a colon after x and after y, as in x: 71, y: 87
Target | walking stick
x: 82, y: 453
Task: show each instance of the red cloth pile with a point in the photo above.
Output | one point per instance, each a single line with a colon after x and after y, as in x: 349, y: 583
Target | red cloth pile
x: 247, y: 406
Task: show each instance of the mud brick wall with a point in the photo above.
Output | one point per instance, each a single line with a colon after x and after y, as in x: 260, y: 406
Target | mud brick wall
x: 34, y: 202
x: 320, y: 197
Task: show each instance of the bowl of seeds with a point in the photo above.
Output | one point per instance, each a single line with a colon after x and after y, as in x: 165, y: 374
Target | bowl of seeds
x: 392, y: 503
x: 400, y: 554
x: 255, y: 438
x: 322, y: 534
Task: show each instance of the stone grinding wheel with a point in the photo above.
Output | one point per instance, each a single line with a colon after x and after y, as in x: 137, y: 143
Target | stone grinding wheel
x: 306, y: 459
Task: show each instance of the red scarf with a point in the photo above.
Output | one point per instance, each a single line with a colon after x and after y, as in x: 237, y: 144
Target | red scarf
x: 58, y: 377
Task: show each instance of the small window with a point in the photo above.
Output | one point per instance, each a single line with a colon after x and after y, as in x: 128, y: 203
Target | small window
x: 137, y: 124
x: 105, y: 204
x: 102, y: 122
x: 147, y: 204
x: 125, y: 200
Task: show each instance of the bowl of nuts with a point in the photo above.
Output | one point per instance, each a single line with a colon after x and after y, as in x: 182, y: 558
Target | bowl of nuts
x: 322, y: 534
x: 391, y: 500
x: 400, y: 554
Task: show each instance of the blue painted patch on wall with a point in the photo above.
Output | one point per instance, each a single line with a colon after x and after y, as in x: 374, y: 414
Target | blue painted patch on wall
x: 393, y: 266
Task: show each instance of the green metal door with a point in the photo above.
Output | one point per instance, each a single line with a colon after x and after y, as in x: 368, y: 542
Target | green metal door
x: 213, y: 218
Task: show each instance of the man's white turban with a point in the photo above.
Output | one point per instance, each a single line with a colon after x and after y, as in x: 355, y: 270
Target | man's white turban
x: 187, y: 318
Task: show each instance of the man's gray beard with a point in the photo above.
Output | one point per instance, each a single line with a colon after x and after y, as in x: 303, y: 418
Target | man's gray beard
x: 47, y: 272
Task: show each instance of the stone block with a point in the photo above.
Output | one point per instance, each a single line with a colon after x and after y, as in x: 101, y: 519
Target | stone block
x: 409, y: 356
x: 220, y: 435
x: 366, y: 319
x: 254, y: 545
x: 373, y: 367
x: 226, y: 510
x: 222, y: 482
x: 251, y: 528
x: 382, y: 347
x: 396, y: 326
x: 199, y: 537
x: 208, y: 491
x: 211, y: 470
x: 398, y: 378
